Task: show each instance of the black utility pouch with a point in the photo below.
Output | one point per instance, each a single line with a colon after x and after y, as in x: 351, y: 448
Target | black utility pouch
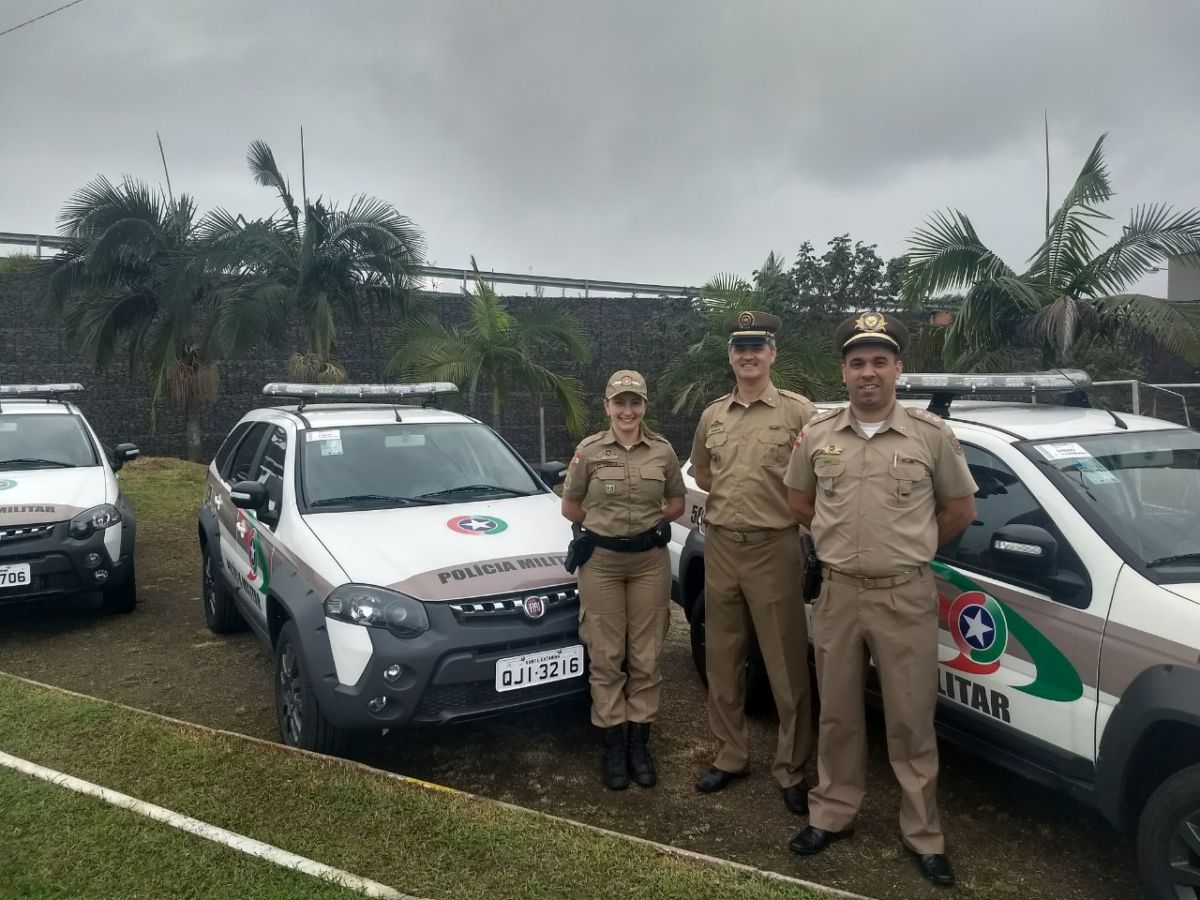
x: 579, y: 550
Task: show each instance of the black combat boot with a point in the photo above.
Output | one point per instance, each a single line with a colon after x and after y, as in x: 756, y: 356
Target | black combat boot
x: 616, y: 775
x: 641, y: 764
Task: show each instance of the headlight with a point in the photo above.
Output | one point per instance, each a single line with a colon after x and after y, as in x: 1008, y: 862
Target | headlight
x: 95, y: 519
x: 363, y: 604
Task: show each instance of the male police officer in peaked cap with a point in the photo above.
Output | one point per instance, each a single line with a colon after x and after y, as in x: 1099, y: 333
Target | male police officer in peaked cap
x: 753, y: 560
x: 881, y: 487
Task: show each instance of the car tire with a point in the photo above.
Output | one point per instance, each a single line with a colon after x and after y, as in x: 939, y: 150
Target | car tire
x: 758, y: 686
x: 301, y: 722
x: 1168, y: 846
x: 123, y: 598
x: 221, y: 614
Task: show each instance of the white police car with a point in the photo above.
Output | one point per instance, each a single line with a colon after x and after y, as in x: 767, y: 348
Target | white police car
x: 65, y: 526
x: 403, y: 562
x: 1070, y: 608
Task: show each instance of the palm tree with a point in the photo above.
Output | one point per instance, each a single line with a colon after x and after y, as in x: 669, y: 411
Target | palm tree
x: 133, y: 277
x: 309, y: 268
x: 702, y: 373
x: 497, y: 350
x: 1070, y: 290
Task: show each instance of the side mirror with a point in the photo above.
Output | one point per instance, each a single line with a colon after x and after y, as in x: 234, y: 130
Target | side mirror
x: 248, y: 495
x: 1027, y: 548
x: 123, y: 453
x: 552, y: 472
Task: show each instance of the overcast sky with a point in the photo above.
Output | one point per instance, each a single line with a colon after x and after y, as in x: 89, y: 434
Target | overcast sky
x: 623, y: 139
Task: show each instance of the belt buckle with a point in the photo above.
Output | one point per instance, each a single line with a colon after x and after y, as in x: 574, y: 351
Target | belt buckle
x: 869, y: 584
x: 738, y: 537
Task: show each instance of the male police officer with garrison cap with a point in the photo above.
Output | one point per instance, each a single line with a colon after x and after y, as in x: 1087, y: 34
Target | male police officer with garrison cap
x: 881, y: 487
x: 753, y: 560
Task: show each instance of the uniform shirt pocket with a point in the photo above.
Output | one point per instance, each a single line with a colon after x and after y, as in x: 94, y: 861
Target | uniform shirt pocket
x: 714, y: 443
x: 775, y: 446
x: 827, y: 470
x: 610, y: 481
x: 907, y: 474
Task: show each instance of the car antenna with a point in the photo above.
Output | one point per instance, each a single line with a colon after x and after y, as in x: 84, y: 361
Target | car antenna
x: 1117, y: 420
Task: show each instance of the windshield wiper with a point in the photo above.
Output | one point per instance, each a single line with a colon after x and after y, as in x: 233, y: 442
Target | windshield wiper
x: 1164, y: 560
x: 477, y: 489
x: 36, y: 462
x: 372, y: 498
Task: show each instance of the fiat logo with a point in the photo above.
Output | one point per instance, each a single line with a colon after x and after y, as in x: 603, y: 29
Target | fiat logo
x: 535, y: 607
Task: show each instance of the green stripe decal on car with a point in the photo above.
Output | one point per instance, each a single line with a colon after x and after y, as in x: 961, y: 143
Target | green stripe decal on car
x: 991, y: 623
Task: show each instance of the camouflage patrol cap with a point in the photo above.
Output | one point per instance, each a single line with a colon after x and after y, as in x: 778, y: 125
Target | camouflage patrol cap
x: 751, y: 327
x: 626, y: 381
x: 871, y: 327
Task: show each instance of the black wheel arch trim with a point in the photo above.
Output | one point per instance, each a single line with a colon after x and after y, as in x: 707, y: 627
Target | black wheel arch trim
x: 1164, y: 694
x: 691, y: 576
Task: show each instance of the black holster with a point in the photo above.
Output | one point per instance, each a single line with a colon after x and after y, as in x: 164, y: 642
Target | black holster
x: 580, y: 549
x: 811, y: 585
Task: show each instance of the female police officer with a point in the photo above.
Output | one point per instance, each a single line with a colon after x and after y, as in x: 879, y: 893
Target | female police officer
x: 624, y: 487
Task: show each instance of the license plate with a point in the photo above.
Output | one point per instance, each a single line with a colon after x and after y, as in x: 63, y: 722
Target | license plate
x: 543, y: 667
x: 15, y: 575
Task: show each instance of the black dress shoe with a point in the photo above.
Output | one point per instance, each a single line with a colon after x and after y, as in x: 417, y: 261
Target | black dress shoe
x: 716, y: 780
x: 935, y: 867
x: 813, y: 840
x: 795, y: 798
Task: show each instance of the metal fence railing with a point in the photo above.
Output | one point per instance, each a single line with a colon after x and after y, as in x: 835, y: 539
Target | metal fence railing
x: 1162, y: 401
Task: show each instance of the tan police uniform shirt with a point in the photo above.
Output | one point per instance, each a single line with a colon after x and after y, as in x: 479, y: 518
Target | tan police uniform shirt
x: 747, y: 449
x: 876, y: 498
x: 621, y: 490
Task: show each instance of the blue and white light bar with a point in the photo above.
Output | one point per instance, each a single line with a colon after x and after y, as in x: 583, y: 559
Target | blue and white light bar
x: 1000, y: 383
x: 39, y: 390
x: 348, y: 392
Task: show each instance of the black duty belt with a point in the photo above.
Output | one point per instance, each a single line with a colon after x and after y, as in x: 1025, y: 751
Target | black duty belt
x: 659, y: 536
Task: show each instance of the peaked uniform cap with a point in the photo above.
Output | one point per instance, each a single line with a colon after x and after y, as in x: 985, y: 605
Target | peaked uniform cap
x: 626, y: 381
x: 871, y: 327
x: 752, y: 327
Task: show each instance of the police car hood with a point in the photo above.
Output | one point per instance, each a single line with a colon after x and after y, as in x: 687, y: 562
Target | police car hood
x: 49, y: 495
x: 452, y: 551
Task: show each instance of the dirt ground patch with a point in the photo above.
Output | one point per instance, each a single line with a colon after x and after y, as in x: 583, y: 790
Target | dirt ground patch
x: 1007, y: 837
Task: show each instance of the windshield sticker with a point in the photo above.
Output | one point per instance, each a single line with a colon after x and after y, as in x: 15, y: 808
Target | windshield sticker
x: 6, y: 483
x: 330, y: 434
x: 1101, y: 477
x: 981, y: 627
x: 477, y: 525
x: 1068, y: 450
x: 8, y: 426
x: 331, y: 447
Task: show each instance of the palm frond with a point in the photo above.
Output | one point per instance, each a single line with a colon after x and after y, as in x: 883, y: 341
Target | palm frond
x: 1173, y: 324
x: 265, y: 170
x: 947, y: 255
x: 1155, y: 232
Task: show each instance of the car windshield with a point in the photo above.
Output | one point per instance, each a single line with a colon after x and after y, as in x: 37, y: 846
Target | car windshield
x: 401, y: 464
x: 1145, y: 485
x: 44, y: 441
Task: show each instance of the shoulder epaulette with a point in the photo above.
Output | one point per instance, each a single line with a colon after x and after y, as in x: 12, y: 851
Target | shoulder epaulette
x: 795, y: 396
x: 926, y: 416
x: 822, y: 416
x: 719, y: 399
x: 592, y: 438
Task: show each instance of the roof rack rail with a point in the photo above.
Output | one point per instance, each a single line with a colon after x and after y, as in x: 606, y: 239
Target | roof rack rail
x: 47, y: 392
x: 349, y: 393
x: 1066, y: 387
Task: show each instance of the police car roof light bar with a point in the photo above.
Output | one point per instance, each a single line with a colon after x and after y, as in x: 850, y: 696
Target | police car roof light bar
x: 347, y: 393
x: 1069, y: 386
x: 47, y: 392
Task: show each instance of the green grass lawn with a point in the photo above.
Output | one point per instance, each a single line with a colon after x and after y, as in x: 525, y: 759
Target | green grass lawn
x: 420, y: 841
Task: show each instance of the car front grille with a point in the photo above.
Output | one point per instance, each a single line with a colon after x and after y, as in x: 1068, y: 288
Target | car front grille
x: 554, y: 598
x: 446, y: 701
x: 23, y: 532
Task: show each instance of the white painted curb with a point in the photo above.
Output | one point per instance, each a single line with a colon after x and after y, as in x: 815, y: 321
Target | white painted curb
x: 237, y: 842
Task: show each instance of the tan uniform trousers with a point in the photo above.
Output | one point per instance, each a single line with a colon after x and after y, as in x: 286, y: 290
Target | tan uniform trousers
x: 898, y: 626
x: 623, y: 608
x: 757, y: 582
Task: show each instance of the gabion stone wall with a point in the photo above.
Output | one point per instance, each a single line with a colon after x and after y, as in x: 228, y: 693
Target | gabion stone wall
x: 625, y: 333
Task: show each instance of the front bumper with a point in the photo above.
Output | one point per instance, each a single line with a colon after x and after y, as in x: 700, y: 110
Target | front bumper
x: 60, y: 565
x: 449, y: 673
